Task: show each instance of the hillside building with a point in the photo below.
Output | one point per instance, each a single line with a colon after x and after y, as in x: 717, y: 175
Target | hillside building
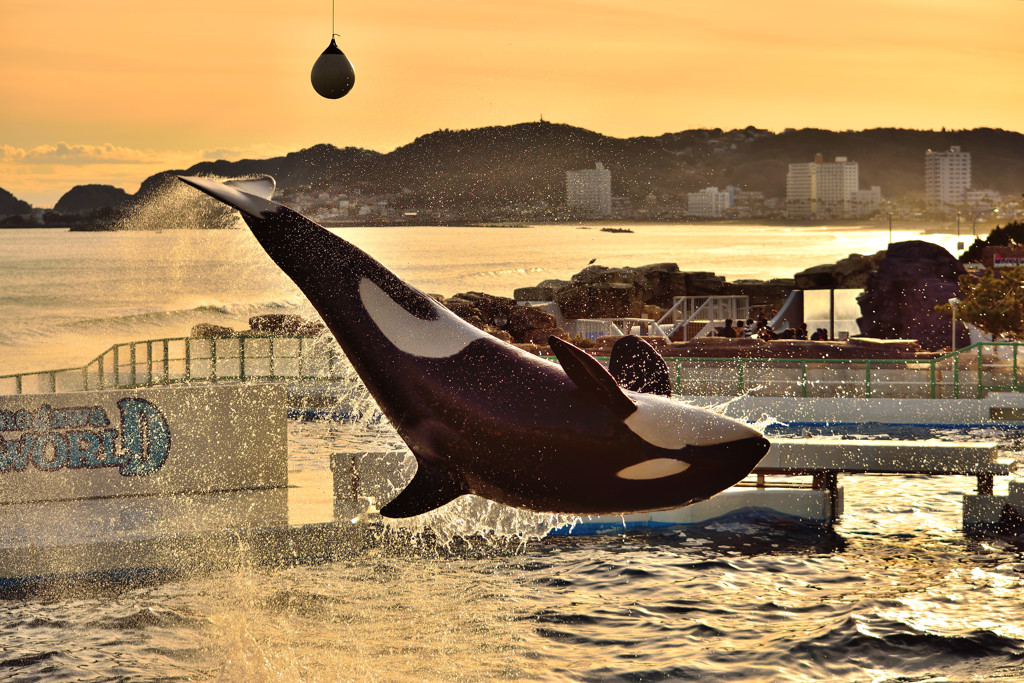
x: 589, y: 191
x: 836, y: 183
x: 864, y: 203
x: 821, y: 189
x: 708, y: 203
x: 947, y: 177
x: 982, y: 198
x: 802, y: 190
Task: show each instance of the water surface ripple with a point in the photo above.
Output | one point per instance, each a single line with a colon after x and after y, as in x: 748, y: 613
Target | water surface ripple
x: 893, y: 592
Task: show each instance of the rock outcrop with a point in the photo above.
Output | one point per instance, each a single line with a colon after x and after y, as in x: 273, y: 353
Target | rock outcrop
x: 851, y: 272
x: 91, y: 197
x: 285, y: 325
x: 503, y: 317
x: 900, y: 297
x: 11, y: 205
x: 211, y: 331
x: 603, y: 292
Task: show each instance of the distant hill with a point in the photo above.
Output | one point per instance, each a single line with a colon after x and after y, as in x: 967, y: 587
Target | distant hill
x: 91, y: 197
x: 9, y: 204
x: 461, y: 169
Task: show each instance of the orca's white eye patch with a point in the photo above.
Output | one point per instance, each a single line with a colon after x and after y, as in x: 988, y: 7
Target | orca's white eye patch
x: 672, y: 425
x: 439, y: 338
x: 653, y: 469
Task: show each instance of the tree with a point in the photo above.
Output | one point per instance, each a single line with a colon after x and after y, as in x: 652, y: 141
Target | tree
x: 1011, y: 235
x: 993, y: 302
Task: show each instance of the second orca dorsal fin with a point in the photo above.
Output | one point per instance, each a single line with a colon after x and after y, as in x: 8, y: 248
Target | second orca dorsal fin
x: 636, y: 366
x: 430, y: 488
x: 591, y: 377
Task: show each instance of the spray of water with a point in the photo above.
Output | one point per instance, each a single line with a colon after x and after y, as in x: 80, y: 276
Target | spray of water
x: 172, y: 205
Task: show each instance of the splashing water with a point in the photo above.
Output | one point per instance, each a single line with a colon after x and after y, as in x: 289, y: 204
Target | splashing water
x: 174, y: 205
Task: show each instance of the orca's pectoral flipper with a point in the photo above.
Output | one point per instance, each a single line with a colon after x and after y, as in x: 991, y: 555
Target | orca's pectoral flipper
x: 591, y: 377
x: 430, y: 488
x: 636, y: 366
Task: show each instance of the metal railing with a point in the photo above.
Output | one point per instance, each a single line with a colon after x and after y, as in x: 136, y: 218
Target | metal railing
x: 970, y: 372
x: 191, y: 359
x: 688, y: 310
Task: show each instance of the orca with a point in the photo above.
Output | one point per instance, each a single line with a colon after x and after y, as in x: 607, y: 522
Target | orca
x: 485, y: 417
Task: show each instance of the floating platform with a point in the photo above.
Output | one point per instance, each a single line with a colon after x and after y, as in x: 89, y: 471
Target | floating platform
x: 365, y: 481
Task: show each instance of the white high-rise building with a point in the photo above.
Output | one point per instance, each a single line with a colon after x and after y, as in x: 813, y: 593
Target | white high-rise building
x: 708, y: 203
x: 801, y: 190
x: 589, y: 191
x: 837, y: 181
x: 864, y: 203
x: 947, y: 177
x: 822, y: 189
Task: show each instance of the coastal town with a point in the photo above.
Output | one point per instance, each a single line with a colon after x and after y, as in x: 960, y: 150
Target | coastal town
x: 543, y: 172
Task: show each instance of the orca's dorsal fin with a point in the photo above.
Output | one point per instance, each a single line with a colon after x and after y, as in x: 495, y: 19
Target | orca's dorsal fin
x: 430, y: 488
x: 636, y: 366
x: 591, y: 377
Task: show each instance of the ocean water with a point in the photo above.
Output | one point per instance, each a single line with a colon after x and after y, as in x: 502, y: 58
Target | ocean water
x: 894, y: 592
x: 65, y: 297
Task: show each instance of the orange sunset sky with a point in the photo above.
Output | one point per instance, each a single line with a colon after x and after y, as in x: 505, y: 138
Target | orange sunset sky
x: 111, y: 91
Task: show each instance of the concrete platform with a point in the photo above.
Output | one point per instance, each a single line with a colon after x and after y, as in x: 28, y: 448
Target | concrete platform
x: 825, y: 459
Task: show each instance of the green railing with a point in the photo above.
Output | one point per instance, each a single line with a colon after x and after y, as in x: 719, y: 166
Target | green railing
x: 966, y: 373
x: 191, y: 359
x: 969, y: 372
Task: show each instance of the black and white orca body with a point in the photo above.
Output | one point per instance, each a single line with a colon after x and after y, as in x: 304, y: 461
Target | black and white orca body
x: 485, y: 417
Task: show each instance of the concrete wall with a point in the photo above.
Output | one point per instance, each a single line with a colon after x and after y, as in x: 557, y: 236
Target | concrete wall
x: 142, y: 442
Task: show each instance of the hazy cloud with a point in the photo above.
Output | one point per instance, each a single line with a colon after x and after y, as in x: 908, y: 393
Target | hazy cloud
x: 42, y: 174
x: 64, y: 153
x: 250, y: 152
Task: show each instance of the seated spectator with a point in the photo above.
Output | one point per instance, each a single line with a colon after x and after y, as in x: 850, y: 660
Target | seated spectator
x: 728, y: 330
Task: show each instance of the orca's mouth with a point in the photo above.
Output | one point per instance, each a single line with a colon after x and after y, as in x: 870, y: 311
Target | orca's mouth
x: 729, y: 454
x: 740, y: 455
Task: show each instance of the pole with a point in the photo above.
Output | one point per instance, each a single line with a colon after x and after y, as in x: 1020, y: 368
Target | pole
x: 832, y: 310
x: 952, y: 306
x: 890, y: 227
x: 974, y: 223
x: 952, y: 346
x: 959, y: 244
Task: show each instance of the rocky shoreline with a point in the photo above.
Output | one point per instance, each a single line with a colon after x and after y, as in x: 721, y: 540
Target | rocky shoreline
x: 902, y: 286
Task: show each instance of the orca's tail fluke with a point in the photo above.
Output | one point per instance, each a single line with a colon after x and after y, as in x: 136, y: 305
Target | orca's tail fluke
x: 251, y: 196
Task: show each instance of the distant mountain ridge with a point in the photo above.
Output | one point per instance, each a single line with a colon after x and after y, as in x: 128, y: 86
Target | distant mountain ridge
x: 526, y: 162
x: 91, y: 197
x: 9, y: 204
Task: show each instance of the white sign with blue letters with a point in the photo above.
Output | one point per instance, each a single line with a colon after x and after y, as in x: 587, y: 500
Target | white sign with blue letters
x: 154, y: 441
